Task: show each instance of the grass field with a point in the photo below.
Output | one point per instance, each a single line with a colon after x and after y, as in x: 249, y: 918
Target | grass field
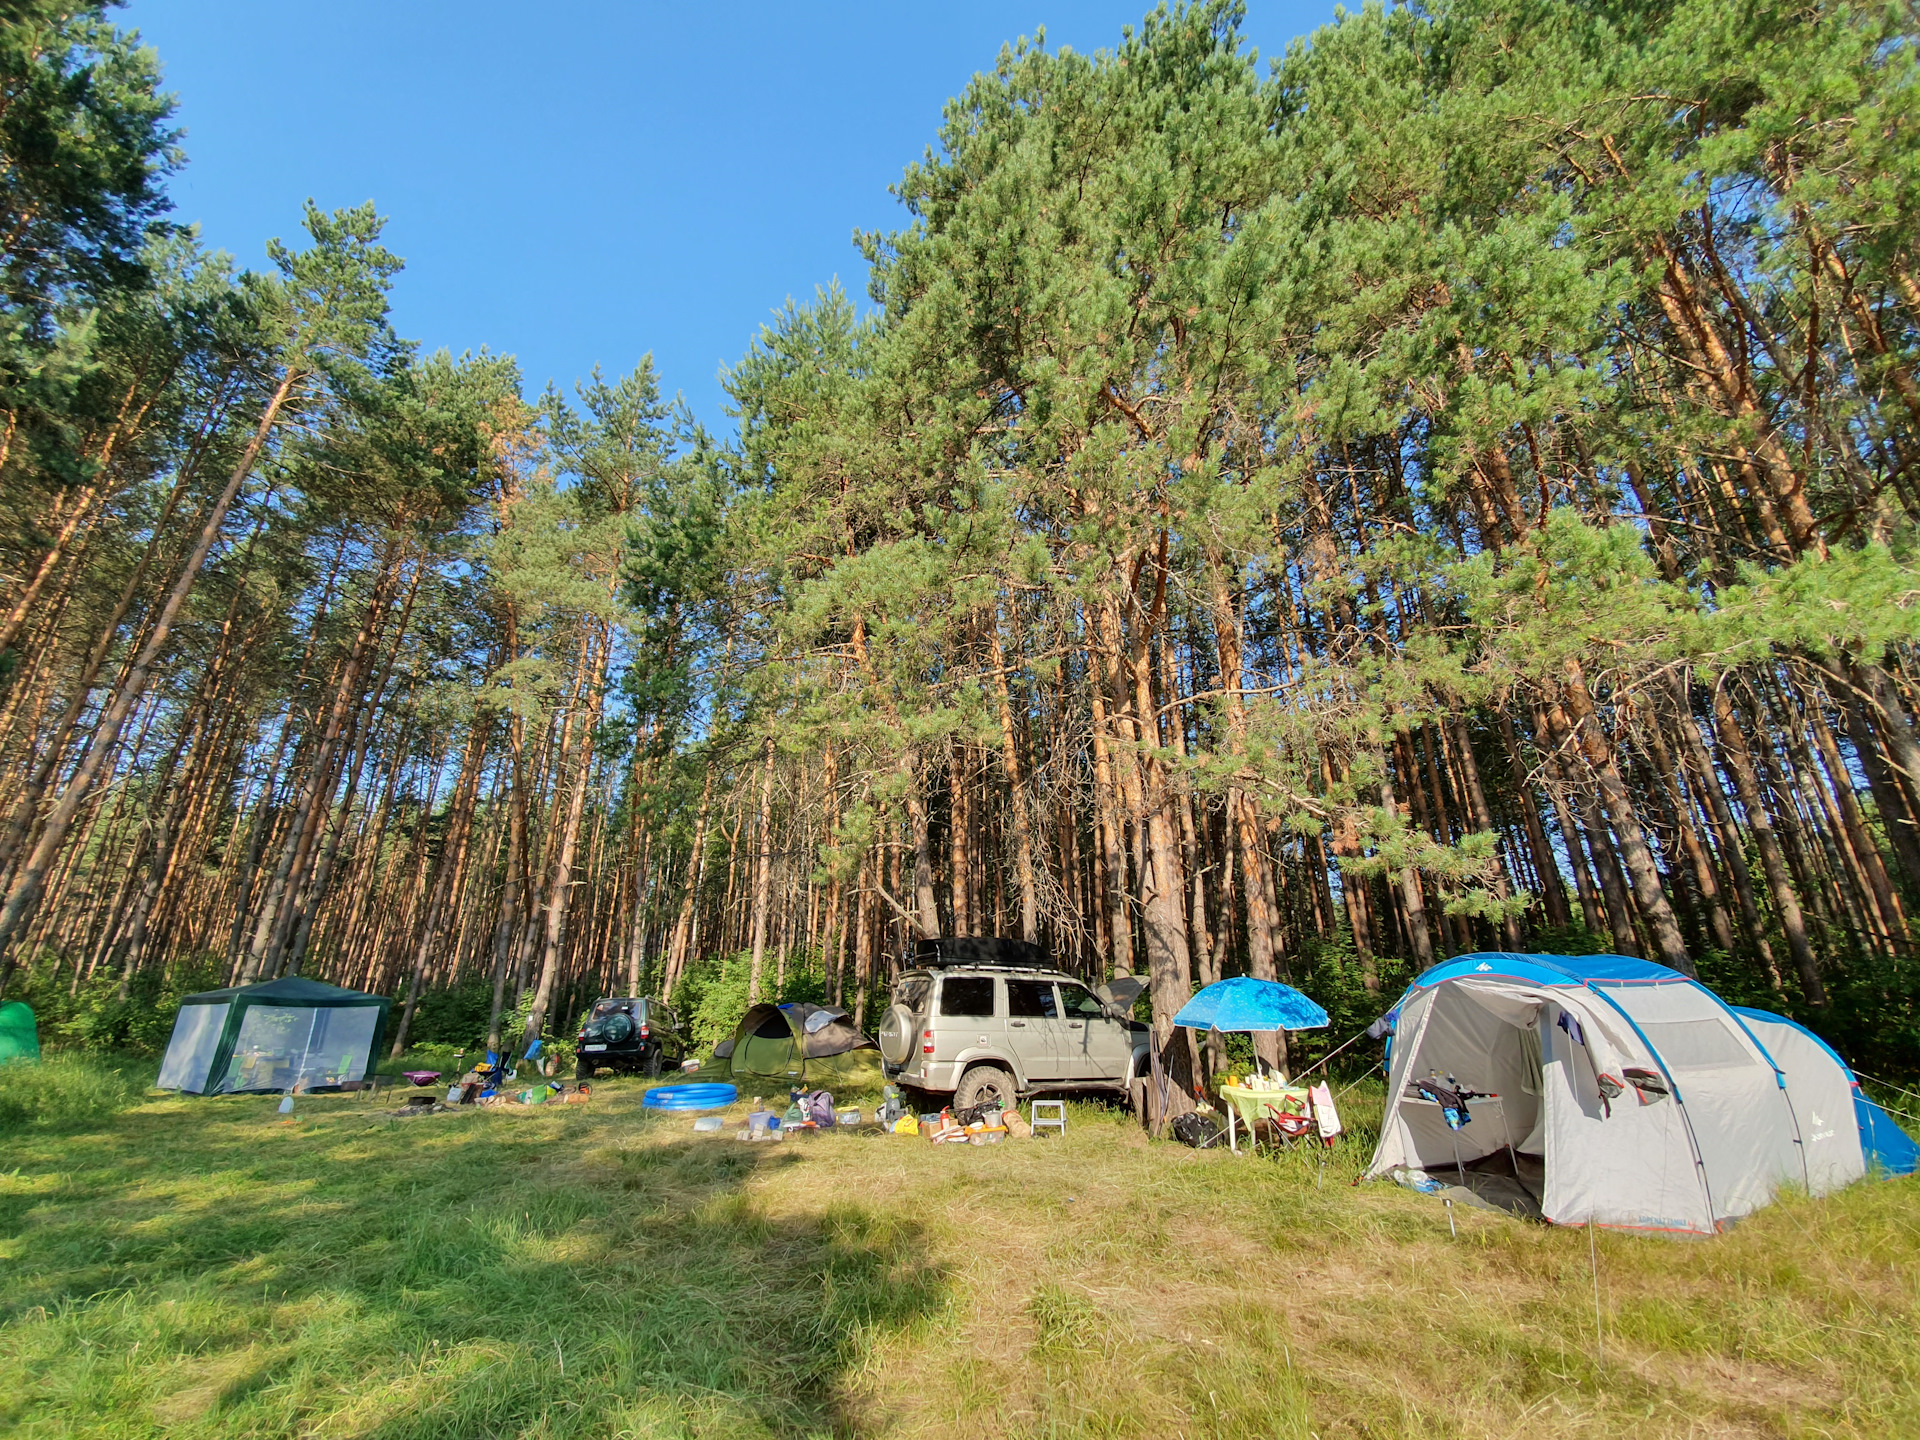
x: 184, y: 1268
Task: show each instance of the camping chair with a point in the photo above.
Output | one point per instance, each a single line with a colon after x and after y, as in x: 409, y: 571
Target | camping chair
x: 1289, y: 1120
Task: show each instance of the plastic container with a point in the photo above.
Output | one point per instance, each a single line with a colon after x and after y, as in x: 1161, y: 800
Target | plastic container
x: 707, y: 1124
x: 690, y: 1097
x: 847, y: 1117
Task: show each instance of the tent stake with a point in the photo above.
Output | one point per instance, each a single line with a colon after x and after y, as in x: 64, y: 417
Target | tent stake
x: 1450, y: 1228
x: 1593, y: 1259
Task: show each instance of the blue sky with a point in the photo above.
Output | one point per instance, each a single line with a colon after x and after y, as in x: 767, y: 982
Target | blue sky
x: 582, y: 182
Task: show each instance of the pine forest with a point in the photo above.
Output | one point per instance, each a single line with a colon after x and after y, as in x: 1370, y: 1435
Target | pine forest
x: 1450, y: 487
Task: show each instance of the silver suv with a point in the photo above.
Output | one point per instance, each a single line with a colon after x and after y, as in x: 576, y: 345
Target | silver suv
x: 987, y: 1021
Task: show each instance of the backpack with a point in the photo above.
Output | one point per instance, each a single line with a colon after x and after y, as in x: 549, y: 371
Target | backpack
x: 819, y: 1107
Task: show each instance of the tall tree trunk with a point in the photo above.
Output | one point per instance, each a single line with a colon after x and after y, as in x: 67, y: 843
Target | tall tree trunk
x: 1648, y: 892
x: 763, y: 871
x: 1786, y: 901
x: 1023, y: 869
x: 27, y: 884
x: 560, y: 887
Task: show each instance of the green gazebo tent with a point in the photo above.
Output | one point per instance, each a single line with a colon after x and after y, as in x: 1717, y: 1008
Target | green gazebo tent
x: 282, y: 1035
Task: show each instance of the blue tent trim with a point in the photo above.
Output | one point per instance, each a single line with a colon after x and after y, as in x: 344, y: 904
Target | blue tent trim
x: 1552, y: 969
x: 1888, y: 1148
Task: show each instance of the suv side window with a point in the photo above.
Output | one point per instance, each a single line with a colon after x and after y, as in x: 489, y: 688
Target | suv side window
x: 1031, y: 999
x: 658, y: 1014
x: 967, y: 996
x: 912, y: 993
x: 1079, y: 1003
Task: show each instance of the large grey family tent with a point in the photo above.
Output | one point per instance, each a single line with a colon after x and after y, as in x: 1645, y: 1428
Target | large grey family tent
x: 798, y: 1043
x: 1620, y: 1092
x: 280, y: 1035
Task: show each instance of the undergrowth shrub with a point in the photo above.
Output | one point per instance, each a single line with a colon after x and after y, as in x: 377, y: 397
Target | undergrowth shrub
x: 97, y: 1018
x: 456, y: 1016
x: 713, y: 996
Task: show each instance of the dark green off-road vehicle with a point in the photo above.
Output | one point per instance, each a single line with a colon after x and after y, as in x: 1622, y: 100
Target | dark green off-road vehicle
x: 628, y: 1035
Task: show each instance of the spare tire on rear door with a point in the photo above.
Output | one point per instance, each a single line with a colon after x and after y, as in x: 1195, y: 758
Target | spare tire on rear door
x: 616, y: 1028
x: 896, y: 1035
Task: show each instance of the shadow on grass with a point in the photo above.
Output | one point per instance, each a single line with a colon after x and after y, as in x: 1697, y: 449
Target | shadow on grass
x: 197, y: 1269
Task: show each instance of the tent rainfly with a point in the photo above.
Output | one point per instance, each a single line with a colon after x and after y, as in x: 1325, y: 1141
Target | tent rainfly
x: 281, y: 1035
x: 1641, y: 1099
x: 800, y: 1043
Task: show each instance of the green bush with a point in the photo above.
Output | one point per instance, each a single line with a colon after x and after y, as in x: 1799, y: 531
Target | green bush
x: 69, y: 1092
x: 97, y: 1019
x: 713, y: 996
x: 455, y: 1016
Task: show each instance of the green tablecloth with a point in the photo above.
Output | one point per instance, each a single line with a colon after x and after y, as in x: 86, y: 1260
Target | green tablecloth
x: 1251, y: 1105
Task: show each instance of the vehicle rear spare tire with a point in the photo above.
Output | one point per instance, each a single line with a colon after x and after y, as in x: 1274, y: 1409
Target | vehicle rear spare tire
x: 615, y: 1028
x: 896, y: 1035
x: 986, y: 1084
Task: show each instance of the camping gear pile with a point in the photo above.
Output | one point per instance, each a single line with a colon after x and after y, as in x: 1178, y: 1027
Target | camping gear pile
x: 981, y: 1125
x: 807, y: 1112
x: 284, y: 1035
x: 1607, y: 1090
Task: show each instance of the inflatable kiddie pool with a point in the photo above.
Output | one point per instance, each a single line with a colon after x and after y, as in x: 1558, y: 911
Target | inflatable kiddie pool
x: 690, y: 1097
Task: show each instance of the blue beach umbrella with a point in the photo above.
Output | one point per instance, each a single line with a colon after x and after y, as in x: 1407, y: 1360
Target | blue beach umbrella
x: 1244, y: 1003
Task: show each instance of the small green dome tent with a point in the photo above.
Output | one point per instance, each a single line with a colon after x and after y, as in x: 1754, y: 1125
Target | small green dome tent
x: 800, y: 1044
x: 19, y: 1036
x: 282, y: 1035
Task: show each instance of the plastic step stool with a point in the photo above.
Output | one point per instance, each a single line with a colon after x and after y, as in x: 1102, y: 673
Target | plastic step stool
x: 1056, y: 1121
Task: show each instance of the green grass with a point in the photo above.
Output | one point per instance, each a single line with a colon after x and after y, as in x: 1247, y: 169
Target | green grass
x: 191, y: 1268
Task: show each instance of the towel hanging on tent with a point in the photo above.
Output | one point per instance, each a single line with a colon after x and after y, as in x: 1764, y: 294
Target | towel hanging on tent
x: 1453, y: 1109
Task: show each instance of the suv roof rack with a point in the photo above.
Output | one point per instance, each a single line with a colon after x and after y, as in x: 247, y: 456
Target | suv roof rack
x: 978, y: 950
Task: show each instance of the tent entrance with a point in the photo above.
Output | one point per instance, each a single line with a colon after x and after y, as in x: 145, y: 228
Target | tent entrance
x: 769, y: 1050
x: 1488, y: 1041
x: 1504, y: 1180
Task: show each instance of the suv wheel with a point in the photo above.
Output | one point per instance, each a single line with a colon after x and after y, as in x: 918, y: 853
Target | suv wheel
x: 583, y: 1069
x: 652, y: 1067
x: 986, y: 1084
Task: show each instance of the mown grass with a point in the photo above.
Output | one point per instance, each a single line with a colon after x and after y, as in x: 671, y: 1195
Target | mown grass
x: 203, y: 1268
